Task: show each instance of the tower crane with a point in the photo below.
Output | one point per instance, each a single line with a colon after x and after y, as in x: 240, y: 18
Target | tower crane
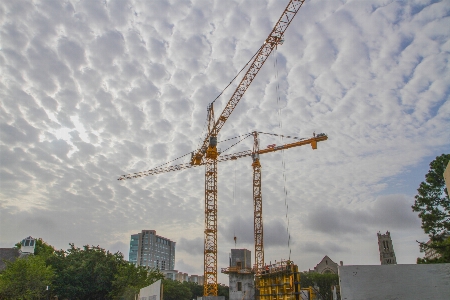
x: 225, y: 157
x: 257, y: 196
x: 208, y: 155
x: 257, y: 193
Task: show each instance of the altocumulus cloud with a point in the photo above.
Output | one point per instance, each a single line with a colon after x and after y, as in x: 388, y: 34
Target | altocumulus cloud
x: 91, y: 90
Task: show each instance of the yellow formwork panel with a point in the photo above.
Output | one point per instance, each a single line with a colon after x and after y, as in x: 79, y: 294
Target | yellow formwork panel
x: 280, y: 281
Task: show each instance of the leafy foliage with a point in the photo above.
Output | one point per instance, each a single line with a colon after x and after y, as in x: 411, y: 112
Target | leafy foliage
x: 130, y: 279
x: 321, y: 282
x: 441, y: 247
x: 93, y: 273
x: 25, y: 278
x: 433, y: 205
x: 196, y: 289
x: 88, y: 273
x: 175, y: 290
x: 43, y: 249
x: 223, y: 290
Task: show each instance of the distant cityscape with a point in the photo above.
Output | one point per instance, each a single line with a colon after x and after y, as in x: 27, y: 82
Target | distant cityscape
x: 153, y: 251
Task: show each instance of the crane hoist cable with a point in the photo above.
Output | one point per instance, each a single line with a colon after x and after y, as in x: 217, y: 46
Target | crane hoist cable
x: 208, y: 155
x: 220, y: 94
x: 250, y: 60
x: 283, y: 162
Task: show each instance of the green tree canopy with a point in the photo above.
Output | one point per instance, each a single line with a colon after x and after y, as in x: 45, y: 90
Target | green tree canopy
x: 130, y: 279
x: 321, y: 282
x: 175, y: 290
x: 433, y: 205
x: 26, y: 278
x: 43, y: 249
x: 188, y: 290
x: 93, y: 273
x: 88, y: 273
x: 223, y: 290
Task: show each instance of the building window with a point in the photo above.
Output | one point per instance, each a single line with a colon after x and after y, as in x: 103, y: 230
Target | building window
x: 239, y: 286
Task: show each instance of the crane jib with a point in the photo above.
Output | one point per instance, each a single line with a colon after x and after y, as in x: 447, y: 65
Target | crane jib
x: 209, y: 156
x: 274, y: 38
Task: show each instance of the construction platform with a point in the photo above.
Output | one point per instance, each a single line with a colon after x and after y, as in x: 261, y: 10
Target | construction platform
x: 279, y: 281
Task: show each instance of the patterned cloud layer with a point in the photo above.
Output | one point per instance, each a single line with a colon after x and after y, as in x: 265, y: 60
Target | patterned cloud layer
x: 91, y: 90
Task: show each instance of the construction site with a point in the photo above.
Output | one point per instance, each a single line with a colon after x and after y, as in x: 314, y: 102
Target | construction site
x: 262, y: 281
x: 255, y: 279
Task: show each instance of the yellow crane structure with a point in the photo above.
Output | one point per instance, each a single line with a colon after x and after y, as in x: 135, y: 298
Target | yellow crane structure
x: 208, y: 155
x: 257, y: 194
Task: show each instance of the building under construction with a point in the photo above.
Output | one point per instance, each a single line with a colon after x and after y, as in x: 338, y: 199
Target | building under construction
x: 241, y: 275
x: 279, y: 281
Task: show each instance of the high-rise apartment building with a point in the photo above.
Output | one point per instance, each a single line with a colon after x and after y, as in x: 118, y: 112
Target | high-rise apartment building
x: 150, y: 250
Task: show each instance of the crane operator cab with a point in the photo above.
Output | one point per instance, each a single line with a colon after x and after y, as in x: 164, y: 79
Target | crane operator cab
x: 211, y: 152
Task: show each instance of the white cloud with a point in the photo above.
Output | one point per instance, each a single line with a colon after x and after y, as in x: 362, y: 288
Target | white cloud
x: 91, y: 90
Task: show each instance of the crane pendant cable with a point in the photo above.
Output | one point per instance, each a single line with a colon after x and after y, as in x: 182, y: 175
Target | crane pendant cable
x: 283, y: 163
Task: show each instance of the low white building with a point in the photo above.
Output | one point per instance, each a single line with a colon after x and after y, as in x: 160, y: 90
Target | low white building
x: 422, y: 281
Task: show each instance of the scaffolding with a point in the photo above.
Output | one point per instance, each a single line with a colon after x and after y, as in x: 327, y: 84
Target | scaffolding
x: 279, y: 281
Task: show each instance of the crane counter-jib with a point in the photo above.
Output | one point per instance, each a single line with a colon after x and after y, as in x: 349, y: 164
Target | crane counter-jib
x: 313, y: 141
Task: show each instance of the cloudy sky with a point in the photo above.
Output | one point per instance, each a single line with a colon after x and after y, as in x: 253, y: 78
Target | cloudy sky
x: 91, y: 90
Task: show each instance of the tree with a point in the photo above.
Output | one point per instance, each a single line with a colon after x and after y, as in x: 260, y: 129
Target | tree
x: 25, y: 278
x: 88, y: 273
x: 223, y: 290
x: 93, y: 273
x: 321, y: 282
x: 43, y: 249
x: 175, y: 290
x: 195, y: 288
x: 130, y: 279
x: 433, y: 205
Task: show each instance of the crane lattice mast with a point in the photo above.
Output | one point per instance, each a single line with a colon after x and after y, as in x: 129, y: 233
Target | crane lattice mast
x: 207, y: 154
x: 255, y: 153
x: 257, y: 207
x: 275, y: 38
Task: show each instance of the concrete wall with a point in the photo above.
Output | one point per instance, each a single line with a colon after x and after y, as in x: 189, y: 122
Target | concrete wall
x: 151, y: 292
x: 247, y: 291
x: 243, y: 256
x: 386, y: 282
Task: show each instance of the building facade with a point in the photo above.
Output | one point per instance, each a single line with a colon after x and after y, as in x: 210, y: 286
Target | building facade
x: 241, y: 276
x: 447, y: 176
x: 27, y: 245
x: 175, y: 275
x: 326, y: 266
x: 387, y: 254
x: 153, y: 251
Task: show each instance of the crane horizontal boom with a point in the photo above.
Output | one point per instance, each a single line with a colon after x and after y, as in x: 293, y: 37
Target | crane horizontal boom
x: 313, y: 141
x: 209, y: 155
x: 275, y: 37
